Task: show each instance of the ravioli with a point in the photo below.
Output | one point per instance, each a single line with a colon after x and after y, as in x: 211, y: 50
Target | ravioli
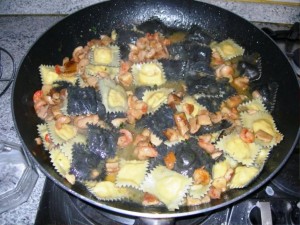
x: 237, y: 149
x: 114, y: 97
x: 105, y: 55
x: 61, y: 164
x: 43, y: 132
x: 155, y: 98
x: 108, y: 191
x: 148, y: 74
x: 198, y: 190
x: 243, y: 175
x: 67, y: 148
x: 262, y: 121
x: 189, y: 101
x: 49, y: 76
x: 65, y: 133
x: 131, y: 174
x: 168, y: 186
x: 228, y: 49
x: 252, y: 106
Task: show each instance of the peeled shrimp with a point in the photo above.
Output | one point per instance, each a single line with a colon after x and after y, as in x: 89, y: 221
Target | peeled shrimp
x: 136, y: 109
x: 201, y: 176
x: 204, y: 142
x: 247, y: 136
x: 125, y: 139
x: 225, y: 71
x: 145, y: 152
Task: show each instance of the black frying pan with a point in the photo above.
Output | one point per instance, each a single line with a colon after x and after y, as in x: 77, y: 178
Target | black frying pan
x: 78, y: 28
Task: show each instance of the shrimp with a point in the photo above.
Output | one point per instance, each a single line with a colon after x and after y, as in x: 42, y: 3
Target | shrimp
x: 204, y: 142
x: 171, y: 134
x: 112, y: 166
x: 136, y: 109
x: 220, y: 184
x: 125, y: 139
x: 125, y: 77
x: 234, y: 101
x: 170, y: 160
x: 181, y: 123
x: 216, y: 59
x: 247, y: 136
x: 201, y: 176
x: 225, y: 71
x: 204, y: 120
x: 145, y: 152
x: 152, y: 46
x: 194, y: 125
x: 62, y: 120
x: 241, y: 82
x: 83, y: 121
x: 150, y: 199
x: 263, y: 136
x: 173, y: 100
x: 215, y: 117
x: 214, y: 193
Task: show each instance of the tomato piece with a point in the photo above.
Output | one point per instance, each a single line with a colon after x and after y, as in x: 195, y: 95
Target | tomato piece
x: 57, y: 69
x: 37, y: 95
x: 47, y: 138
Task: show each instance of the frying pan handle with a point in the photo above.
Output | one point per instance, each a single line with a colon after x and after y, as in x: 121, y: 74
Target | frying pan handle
x: 265, y: 211
x: 151, y: 221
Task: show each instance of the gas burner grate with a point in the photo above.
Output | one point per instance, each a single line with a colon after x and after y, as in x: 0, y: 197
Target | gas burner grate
x: 7, y: 70
x: 291, y: 39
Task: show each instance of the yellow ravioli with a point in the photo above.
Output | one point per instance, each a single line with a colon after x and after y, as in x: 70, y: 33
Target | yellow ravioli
x: 132, y: 173
x: 168, y: 186
x: 243, y: 176
x: 148, y: 74
x: 237, y: 149
x: 106, y: 190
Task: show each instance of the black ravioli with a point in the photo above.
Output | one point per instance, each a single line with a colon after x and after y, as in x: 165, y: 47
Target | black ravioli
x: 212, y: 104
x: 159, y: 121
x: 189, y: 156
x: 209, y: 86
x: 250, y: 66
x: 111, y: 116
x: 197, y: 34
x: 174, y: 69
x: 81, y: 101
x: 101, y: 110
x: 190, y: 51
x: 198, y: 67
x: 85, y: 164
x: 102, y: 142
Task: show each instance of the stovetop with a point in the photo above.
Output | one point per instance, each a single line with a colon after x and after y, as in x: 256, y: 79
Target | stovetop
x: 281, y: 196
x: 278, y: 201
